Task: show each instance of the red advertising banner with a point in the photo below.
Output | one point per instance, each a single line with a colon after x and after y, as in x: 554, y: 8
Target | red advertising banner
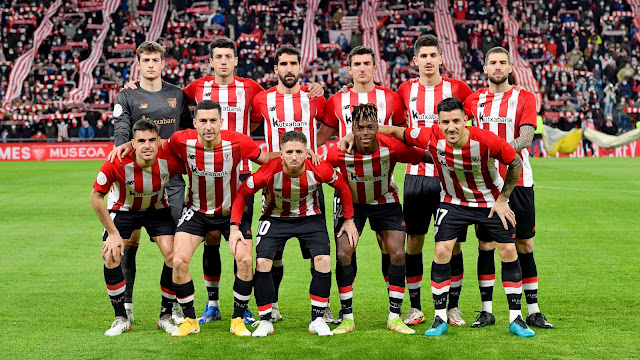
x: 78, y: 151
x: 55, y: 151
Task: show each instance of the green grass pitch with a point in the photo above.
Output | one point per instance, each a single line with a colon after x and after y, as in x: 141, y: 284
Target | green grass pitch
x: 54, y: 305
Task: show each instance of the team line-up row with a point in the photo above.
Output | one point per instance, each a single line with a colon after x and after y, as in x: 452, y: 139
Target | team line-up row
x: 458, y: 175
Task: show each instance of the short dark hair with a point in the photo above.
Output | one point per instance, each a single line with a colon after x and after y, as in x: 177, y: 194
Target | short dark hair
x: 149, y: 47
x: 497, y: 50
x: 364, y: 112
x: 426, y: 40
x: 450, y: 104
x: 286, y: 49
x: 224, y: 43
x: 361, y: 50
x: 293, y: 135
x: 207, y: 105
x: 144, y: 125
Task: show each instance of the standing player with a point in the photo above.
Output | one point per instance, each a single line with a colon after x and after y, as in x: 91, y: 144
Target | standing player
x: 337, y: 118
x: 291, y: 209
x: 212, y: 157
x: 473, y: 192
x: 509, y: 113
x: 138, y: 198
x: 165, y: 105
x: 286, y: 107
x: 234, y: 94
x: 421, y: 185
x: 369, y: 173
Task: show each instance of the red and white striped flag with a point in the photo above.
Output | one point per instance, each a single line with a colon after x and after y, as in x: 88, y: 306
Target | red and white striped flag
x: 309, y: 38
x: 448, y: 39
x: 369, y: 24
x: 86, y: 67
x: 521, y: 70
x: 23, y: 64
x: 155, y: 28
x: 635, y: 9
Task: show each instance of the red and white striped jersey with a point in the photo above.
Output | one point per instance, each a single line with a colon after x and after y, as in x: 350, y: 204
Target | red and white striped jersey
x: 213, y: 172
x: 285, y: 112
x: 234, y: 99
x: 503, y: 114
x: 468, y: 175
x: 391, y: 109
x: 132, y: 188
x: 422, y: 103
x: 290, y: 197
x: 370, y: 177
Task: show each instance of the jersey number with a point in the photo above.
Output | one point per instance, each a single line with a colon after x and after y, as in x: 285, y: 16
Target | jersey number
x: 263, y: 228
x: 440, y: 214
x: 187, y: 214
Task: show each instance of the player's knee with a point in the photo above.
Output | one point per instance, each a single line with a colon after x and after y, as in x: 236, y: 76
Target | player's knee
x: 180, y: 262
x: 212, y: 238
x: 486, y: 245
x: 344, y: 256
x: 322, y: 263
x: 507, y: 252
x: 457, y: 248
x: 263, y: 265
x: 111, y: 261
x: 524, y: 246
x: 244, y: 261
x: 415, y: 244
x: 397, y: 256
x: 442, y: 253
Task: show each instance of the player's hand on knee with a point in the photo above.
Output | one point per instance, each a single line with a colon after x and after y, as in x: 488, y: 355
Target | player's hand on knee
x: 120, y: 151
x: 235, y: 236
x: 113, y: 247
x: 346, y: 144
x: 349, y: 228
x: 504, y: 212
x: 315, y: 90
x: 131, y: 85
x: 315, y: 159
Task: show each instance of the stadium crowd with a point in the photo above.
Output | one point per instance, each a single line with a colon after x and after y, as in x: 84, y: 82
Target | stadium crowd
x: 584, y: 53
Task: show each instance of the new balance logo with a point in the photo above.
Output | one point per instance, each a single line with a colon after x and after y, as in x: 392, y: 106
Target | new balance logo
x: 272, y: 108
x: 346, y: 107
x: 130, y: 182
x: 415, y: 98
x: 207, y: 95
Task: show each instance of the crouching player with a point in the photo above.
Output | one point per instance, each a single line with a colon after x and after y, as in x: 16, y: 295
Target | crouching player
x: 291, y: 209
x: 137, y: 198
x: 369, y: 173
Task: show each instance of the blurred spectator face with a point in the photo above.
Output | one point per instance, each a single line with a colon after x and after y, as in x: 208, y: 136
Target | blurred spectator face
x: 362, y: 68
x: 150, y: 65
x: 223, y: 61
x: 497, y: 68
x: 288, y: 70
x: 428, y: 61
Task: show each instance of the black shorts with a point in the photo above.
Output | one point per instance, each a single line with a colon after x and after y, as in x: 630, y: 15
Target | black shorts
x: 421, y: 199
x: 175, y: 195
x: 156, y: 222
x: 273, y: 233
x: 522, y: 203
x: 452, y: 222
x: 199, y: 224
x: 381, y: 217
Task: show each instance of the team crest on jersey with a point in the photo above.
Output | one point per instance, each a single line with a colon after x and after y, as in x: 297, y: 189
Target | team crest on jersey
x: 144, y: 105
x: 381, y: 106
x: 226, y: 158
x: 240, y: 93
x: 164, y: 177
x: 513, y: 103
x: 172, y: 102
x: 305, y: 107
x: 475, y: 160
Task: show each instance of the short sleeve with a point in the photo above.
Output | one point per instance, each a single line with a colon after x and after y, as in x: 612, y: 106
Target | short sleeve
x: 250, y: 150
x: 528, y: 112
x: 330, y: 116
x: 190, y: 92
x: 105, y: 177
x: 418, y: 136
x: 498, y: 148
x: 256, y: 108
x: 320, y: 107
x: 399, y: 116
x: 463, y: 91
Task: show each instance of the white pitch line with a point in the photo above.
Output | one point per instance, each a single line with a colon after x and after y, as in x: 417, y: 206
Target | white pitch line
x: 579, y: 189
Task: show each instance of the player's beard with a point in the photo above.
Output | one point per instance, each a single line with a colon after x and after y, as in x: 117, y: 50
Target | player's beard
x: 499, y: 80
x: 289, y: 83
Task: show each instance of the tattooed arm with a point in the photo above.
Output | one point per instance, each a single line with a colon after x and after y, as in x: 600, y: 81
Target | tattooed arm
x: 524, y: 140
x: 501, y: 207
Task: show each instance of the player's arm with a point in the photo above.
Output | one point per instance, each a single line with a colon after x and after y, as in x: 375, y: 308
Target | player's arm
x: 329, y: 124
x: 501, y: 207
x: 315, y: 90
x: 395, y: 131
x: 324, y: 134
x: 247, y: 189
x: 524, y: 140
x: 122, y: 120
x: 255, y: 116
x: 186, y: 118
x: 114, y: 245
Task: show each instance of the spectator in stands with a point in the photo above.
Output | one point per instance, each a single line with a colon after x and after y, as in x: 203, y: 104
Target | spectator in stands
x: 50, y: 130
x: 74, y: 129
x: 609, y: 127
x: 5, y: 135
x: 102, y: 131
x: 39, y: 136
x: 609, y: 98
x: 622, y: 114
x: 86, y: 132
x: 626, y: 72
x: 63, y: 131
